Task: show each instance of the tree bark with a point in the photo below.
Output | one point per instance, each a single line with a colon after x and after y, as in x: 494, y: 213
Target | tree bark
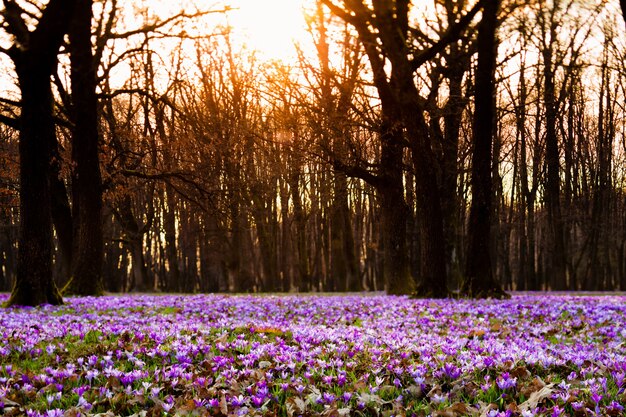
x: 134, y: 242
x: 35, y: 57
x: 302, y: 278
x: 171, y: 248
x: 86, y: 179
x: 62, y: 220
x: 479, y: 278
x: 557, y: 269
x: 394, y: 212
x: 34, y: 284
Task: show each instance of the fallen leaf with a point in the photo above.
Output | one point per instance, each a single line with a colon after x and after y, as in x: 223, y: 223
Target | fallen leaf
x: 486, y: 408
x: 478, y: 333
x: 520, y: 372
x: 113, y: 382
x: 415, y: 390
x: 295, y: 406
x: 456, y: 410
x: 536, y: 397
x: 222, y: 339
x: 535, y: 385
x: 223, y: 405
x: 370, y: 398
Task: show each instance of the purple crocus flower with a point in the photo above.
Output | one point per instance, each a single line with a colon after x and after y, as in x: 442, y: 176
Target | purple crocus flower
x: 556, y: 411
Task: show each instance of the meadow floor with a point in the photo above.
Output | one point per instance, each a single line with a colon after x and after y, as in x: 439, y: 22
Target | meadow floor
x: 357, y: 355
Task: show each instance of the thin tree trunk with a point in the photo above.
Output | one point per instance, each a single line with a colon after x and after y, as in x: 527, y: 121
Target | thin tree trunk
x: 557, y: 270
x: 302, y: 280
x: 526, y: 258
x: 171, y: 248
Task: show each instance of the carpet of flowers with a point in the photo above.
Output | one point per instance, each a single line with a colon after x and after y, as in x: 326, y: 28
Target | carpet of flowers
x: 532, y: 355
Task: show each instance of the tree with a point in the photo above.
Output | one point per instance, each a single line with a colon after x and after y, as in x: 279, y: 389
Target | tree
x: 86, y: 274
x: 479, y: 279
x: 334, y: 111
x: 34, y: 54
x: 557, y: 271
x: 387, y: 37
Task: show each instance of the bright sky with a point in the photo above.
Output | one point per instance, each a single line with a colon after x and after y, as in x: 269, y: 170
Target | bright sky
x: 269, y: 26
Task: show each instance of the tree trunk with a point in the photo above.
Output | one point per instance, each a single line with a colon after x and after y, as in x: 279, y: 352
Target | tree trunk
x: 285, y: 247
x: 344, y: 269
x: 557, y: 270
x: 134, y: 243
x: 264, y: 219
x: 394, y: 211
x: 171, y: 248
x: 189, y: 249
x: 35, y: 59
x: 86, y: 179
x: 138, y: 265
x: 212, y: 263
x: 458, y: 64
x: 62, y: 221
x: 34, y: 284
x: 479, y: 278
x: 302, y: 278
x: 433, y: 274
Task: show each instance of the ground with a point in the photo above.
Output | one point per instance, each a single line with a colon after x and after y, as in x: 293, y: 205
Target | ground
x: 531, y: 355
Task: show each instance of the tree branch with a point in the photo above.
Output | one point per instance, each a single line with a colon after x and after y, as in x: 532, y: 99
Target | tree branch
x: 452, y: 34
x: 357, y: 172
x: 9, y: 121
x: 153, y: 27
x: 15, y: 24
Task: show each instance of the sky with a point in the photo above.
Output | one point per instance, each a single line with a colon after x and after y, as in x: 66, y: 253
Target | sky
x: 269, y: 26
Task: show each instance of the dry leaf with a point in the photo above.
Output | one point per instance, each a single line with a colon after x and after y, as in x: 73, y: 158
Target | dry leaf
x: 520, y: 372
x: 456, y: 410
x: 486, y: 408
x: 536, y: 397
x: 536, y: 384
x: 223, y: 405
x: 478, y: 333
x: 295, y: 406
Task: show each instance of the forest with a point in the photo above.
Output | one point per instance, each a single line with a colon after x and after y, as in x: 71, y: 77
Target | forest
x: 418, y: 211
x: 455, y: 147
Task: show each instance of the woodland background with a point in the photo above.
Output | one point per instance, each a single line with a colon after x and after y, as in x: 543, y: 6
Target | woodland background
x: 222, y: 172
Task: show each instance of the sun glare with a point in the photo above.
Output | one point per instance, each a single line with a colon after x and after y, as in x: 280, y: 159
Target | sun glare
x: 270, y: 27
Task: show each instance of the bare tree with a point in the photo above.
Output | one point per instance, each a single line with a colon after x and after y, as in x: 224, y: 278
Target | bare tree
x: 386, y: 35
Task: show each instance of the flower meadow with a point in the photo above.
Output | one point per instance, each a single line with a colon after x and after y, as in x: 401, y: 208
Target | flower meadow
x: 315, y: 355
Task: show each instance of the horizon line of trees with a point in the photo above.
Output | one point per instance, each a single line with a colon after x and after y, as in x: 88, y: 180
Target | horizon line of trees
x: 473, y: 149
